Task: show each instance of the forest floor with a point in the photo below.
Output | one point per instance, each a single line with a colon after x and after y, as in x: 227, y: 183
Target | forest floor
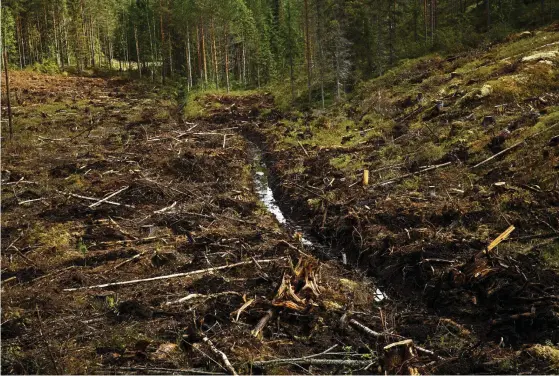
x: 180, y: 203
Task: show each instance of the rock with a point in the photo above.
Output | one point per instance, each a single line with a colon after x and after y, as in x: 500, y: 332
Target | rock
x: 485, y: 91
x: 541, y: 56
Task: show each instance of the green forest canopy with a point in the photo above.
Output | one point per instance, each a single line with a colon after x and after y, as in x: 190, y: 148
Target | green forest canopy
x: 324, y: 46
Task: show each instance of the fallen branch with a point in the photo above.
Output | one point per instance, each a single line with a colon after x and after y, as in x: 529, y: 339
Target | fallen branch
x: 291, y: 360
x: 32, y: 200
x: 190, y: 297
x: 165, y: 208
x: 130, y: 260
x: 401, y: 177
x: 93, y: 199
x: 221, y: 354
x: 185, y: 371
x: 513, y: 146
x: 357, y: 325
x: 316, y: 362
x: 499, y: 153
x: 302, y: 147
x: 262, y: 323
x: 108, y: 197
x: 170, y: 276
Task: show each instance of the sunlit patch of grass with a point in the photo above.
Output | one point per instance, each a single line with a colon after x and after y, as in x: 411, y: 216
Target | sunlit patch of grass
x: 525, y: 45
x: 347, y: 162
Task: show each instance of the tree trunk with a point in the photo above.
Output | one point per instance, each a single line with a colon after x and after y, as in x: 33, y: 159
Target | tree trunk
x: 214, y: 54
x: 205, y: 61
x: 308, y: 50
x: 8, y: 94
x: 137, y: 50
x: 163, y: 64
x: 226, y: 45
x: 488, y: 13
x: 188, y: 59
x: 320, y: 51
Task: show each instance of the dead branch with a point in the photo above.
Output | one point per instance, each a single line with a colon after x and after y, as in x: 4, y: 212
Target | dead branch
x: 93, y: 199
x: 262, y: 323
x: 135, y: 257
x: 499, y: 154
x: 513, y: 146
x: 302, y: 147
x: 394, y: 180
x: 190, y: 297
x: 165, y: 208
x: 357, y: 325
x: 170, y: 276
x: 157, y: 370
x: 221, y: 354
x: 316, y: 362
x: 108, y: 197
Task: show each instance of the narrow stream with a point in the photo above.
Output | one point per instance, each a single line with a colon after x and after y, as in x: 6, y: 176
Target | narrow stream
x: 266, y: 195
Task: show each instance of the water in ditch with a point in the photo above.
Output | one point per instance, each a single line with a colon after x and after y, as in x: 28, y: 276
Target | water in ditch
x: 266, y: 195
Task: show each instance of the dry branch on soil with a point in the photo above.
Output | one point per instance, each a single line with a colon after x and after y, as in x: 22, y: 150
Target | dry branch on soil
x: 398, y: 178
x: 221, y: 354
x: 170, y: 276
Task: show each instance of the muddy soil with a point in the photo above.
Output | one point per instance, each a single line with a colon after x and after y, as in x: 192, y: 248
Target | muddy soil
x: 181, y: 202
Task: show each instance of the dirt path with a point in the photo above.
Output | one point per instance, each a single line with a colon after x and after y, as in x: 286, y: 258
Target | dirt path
x: 182, y: 250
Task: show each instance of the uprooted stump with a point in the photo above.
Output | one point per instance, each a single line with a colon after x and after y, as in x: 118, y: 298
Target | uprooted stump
x: 299, y: 288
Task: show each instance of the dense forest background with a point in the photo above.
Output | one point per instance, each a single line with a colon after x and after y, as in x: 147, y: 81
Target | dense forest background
x: 316, y: 49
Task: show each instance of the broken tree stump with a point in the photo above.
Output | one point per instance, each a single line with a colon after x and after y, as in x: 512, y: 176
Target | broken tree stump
x: 397, y: 356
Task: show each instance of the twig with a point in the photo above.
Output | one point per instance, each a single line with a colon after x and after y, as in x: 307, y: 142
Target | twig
x: 49, y: 350
x: 108, y: 197
x: 221, y: 354
x: 224, y: 140
x: 357, y: 325
x: 166, y: 208
x: 32, y: 200
x: 302, y: 147
x: 130, y: 259
x: 262, y: 323
x: 189, y: 371
x: 170, y: 276
x: 198, y: 296
x: 514, y: 146
x: 394, y: 180
x: 275, y: 361
x: 499, y: 153
x: 94, y: 199
x: 316, y: 362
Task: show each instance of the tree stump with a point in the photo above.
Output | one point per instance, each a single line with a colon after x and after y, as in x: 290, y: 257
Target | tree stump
x: 397, y: 355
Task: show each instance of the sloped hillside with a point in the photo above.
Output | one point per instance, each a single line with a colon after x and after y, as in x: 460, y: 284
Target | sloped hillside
x: 458, y: 149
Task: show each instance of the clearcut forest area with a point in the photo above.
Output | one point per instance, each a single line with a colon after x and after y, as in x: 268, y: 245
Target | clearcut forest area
x: 280, y: 187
